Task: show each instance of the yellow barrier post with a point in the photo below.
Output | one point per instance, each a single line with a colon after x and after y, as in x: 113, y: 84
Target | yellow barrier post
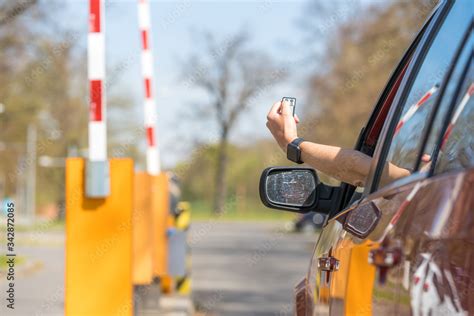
x: 160, y: 213
x: 159, y: 203
x: 98, y: 278
x: 142, y: 230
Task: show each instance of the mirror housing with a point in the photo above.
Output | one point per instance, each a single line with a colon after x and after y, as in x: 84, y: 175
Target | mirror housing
x: 297, y: 189
x: 362, y: 220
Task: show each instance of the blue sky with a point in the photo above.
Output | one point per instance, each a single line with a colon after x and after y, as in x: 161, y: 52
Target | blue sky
x: 273, y: 27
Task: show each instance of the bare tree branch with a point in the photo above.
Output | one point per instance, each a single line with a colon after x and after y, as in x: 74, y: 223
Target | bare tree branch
x: 10, y: 13
x: 231, y: 75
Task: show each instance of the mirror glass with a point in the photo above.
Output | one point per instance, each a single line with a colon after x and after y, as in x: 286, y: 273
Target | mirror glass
x: 291, y: 187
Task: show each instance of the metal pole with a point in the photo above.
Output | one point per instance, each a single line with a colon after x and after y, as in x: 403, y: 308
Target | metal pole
x: 31, y: 171
x: 97, y: 168
x: 96, y: 73
x: 152, y: 154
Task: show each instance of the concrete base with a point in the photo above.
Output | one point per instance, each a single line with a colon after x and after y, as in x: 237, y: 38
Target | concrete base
x: 146, y: 298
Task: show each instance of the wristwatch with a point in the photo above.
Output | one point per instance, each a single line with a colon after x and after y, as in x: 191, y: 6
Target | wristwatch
x: 293, y: 151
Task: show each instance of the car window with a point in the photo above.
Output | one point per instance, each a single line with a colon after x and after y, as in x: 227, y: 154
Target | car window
x: 449, y: 94
x: 457, y: 144
x: 416, y: 109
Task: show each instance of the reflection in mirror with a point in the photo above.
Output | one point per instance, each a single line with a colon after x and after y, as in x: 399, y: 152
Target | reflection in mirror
x: 291, y: 187
x: 362, y: 220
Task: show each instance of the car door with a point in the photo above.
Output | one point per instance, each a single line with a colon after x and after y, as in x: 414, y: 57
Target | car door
x: 358, y: 287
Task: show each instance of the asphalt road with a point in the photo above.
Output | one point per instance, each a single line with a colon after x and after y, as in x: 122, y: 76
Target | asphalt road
x: 39, y: 282
x: 238, y: 269
x: 247, y: 268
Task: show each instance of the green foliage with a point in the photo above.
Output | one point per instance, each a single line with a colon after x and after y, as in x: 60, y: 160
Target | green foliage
x: 239, y: 210
x: 362, y: 52
x: 244, y: 169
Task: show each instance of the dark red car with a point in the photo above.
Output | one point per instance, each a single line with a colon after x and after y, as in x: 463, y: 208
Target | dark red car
x: 404, y: 247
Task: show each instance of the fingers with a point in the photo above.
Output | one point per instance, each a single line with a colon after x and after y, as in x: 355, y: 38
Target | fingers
x: 274, y: 110
x: 426, y: 158
x: 297, y: 119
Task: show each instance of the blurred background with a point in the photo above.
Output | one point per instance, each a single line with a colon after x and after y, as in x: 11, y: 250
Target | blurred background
x: 219, y: 66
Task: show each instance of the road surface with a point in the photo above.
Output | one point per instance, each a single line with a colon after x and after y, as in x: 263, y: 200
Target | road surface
x: 246, y: 268
x: 39, y: 281
x: 238, y: 269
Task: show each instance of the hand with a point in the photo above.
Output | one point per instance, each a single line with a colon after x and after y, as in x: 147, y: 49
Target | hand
x: 282, y: 124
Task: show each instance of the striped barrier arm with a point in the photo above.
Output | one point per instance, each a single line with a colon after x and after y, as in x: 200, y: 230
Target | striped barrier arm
x: 416, y: 188
x: 152, y: 155
x: 412, y: 110
x: 460, y: 108
x: 96, y: 74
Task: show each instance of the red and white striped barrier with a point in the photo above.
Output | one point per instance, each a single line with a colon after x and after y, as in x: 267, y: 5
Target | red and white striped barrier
x: 412, y: 110
x: 400, y: 210
x: 461, y: 106
x: 152, y: 155
x: 96, y: 73
x: 416, y: 188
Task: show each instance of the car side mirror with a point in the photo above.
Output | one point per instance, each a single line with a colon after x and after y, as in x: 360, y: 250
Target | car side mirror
x: 362, y: 220
x: 297, y: 189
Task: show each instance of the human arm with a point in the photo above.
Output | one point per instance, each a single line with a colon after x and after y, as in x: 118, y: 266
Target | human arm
x: 347, y: 165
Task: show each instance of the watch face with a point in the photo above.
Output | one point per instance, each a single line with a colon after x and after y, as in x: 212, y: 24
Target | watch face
x: 292, y: 152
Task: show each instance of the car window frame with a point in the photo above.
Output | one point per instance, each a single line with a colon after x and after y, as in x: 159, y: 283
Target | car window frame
x: 385, y: 139
x: 453, y: 103
x: 396, y: 185
x: 348, y: 190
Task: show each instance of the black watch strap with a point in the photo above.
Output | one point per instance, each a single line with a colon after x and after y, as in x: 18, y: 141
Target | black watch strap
x: 297, y: 141
x: 293, y: 151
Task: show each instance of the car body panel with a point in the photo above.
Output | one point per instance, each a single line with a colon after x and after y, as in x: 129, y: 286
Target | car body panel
x: 434, y: 232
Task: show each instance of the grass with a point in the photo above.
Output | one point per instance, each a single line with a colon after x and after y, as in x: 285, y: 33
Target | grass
x: 47, y: 226
x: 390, y: 293
x: 3, y: 261
x: 248, y: 211
x: 242, y: 210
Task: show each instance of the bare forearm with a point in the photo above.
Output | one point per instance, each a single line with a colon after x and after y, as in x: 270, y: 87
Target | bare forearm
x: 346, y: 165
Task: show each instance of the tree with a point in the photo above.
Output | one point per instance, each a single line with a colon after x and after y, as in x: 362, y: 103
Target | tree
x: 232, y: 76
x: 44, y: 84
x: 11, y: 11
x: 363, y: 44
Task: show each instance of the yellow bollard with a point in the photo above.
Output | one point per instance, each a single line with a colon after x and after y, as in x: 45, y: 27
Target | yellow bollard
x: 182, y: 222
x: 142, y: 230
x: 183, y: 285
x: 98, y: 278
